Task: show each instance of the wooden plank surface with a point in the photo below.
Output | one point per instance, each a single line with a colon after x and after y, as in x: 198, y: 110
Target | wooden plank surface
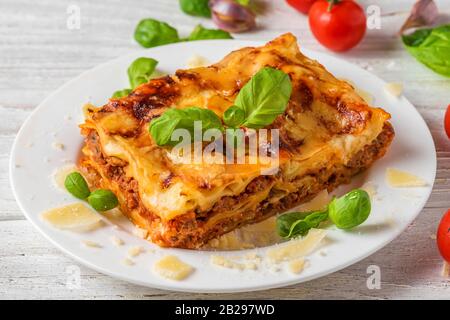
x: 38, y: 54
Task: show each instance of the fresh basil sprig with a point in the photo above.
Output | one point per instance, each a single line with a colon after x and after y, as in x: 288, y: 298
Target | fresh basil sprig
x: 103, y: 200
x: 257, y: 105
x: 77, y: 186
x: 431, y: 47
x: 100, y: 199
x: 201, y: 33
x: 345, y: 212
x: 264, y: 97
x: 151, y: 33
x: 196, y: 7
x: 299, y: 223
x: 162, y: 128
x: 141, y: 70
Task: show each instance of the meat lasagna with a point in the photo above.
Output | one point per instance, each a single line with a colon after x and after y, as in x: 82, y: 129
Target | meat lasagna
x: 327, y: 135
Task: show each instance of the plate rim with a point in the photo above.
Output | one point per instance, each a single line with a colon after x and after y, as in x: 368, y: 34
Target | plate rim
x: 169, y: 287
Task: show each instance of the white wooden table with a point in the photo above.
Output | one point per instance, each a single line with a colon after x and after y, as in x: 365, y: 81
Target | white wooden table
x: 38, y: 54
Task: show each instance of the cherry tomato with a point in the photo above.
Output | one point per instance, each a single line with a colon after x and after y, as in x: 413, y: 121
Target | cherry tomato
x: 301, y: 5
x: 337, y: 24
x: 443, y: 236
x: 447, y: 121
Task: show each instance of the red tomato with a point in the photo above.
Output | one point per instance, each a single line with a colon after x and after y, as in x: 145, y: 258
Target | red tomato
x: 340, y: 28
x: 443, y: 236
x: 301, y: 5
x: 447, y: 121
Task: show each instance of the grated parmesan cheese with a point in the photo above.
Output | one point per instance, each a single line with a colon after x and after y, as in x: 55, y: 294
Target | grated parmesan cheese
x: 117, y: 241
x: 58, y: 146
x: 402, y: 179
x: 91, y: 244
x: 296, y: 266
x: 227, y: 263
x: 139, y: 232
x: 128, y: 262
x: 171, y: 267
x: 135, y: 251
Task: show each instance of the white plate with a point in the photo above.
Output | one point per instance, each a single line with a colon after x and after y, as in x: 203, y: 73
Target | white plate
x: 33, y: 160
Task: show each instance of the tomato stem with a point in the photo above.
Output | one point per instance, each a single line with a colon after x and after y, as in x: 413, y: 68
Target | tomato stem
x: 331, y: 3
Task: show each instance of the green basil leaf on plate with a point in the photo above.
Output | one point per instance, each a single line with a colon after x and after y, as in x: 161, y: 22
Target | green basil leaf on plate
x: 151, y: 33
x: 141, y: 70
x: 77, y: 186
x: 103, y: 200
x: 350, y: 210
x: 264, y: 97
x: 201, y: 33
x: 294, y: 224
x: 198, y: 8
x: 161, y: 128
x: 431, y: 47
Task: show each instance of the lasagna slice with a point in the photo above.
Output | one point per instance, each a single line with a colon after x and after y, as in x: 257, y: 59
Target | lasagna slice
x: 327, y: 134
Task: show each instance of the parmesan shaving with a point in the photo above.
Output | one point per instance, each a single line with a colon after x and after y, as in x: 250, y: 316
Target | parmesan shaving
x: 296, y: 248
x: 394, y: 88
x: 171, y: 267
x: 402, y: 179
x: 75, y: 217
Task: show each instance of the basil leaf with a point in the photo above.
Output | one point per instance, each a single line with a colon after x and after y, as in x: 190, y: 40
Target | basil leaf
x: 162, y: 128
x: 77, y: 186
x: 151, y: 33
x: 103, y: 200
x: 201, y: 33
x: 121, y: 93
x: 295, y: 224
x: 141, y: 70
x: 264, y: 97
x: 196, y: 7
x: 431, y: 47
x: 233, y: 116
x: 244, y: 3
x: 350, y: 210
